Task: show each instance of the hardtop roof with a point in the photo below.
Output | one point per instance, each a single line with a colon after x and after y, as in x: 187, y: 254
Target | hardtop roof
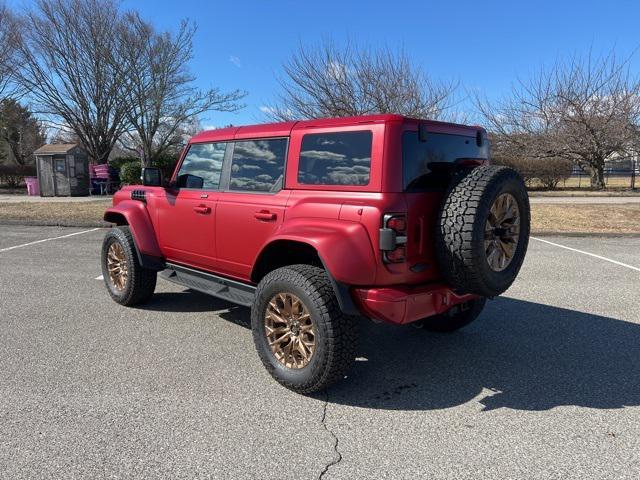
x: 283, y: 129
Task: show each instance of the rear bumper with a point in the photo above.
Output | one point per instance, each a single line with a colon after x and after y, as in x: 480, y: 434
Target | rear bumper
x: 406, y: 304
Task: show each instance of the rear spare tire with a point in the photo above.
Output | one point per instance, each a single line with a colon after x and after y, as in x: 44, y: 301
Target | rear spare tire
x: 483, y: 230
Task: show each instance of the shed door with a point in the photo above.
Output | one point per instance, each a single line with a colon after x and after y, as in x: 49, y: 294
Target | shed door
x: 61, y: 172
x: 47, y: 187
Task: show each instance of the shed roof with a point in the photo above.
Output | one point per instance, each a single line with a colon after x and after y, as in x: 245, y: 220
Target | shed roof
x: 60, y: 148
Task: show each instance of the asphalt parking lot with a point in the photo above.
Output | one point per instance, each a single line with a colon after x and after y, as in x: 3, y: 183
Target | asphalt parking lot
x: 544, y: 385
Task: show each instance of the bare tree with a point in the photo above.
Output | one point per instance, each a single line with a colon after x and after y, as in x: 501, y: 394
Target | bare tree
x: 328, y: 81
x: 585, y: 110
x: 8, y: 40
x: 162, y: 95
x: 71, y: 64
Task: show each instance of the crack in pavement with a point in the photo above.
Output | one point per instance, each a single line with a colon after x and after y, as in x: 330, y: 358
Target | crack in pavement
x: 338, y: 458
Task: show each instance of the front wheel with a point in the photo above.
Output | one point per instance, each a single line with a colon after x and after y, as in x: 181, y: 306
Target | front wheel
x: 456, y: 318
x: 301, y: 335
x: 127, y: 281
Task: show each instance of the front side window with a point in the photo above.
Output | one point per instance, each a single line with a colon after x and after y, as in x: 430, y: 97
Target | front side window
x: 258, y: 165
x: 339, y: 158
x: 202, y: 166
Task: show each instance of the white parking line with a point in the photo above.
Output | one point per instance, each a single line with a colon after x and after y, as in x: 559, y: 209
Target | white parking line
x: 637, y: 269
x: 99, y: 277
x: 46, y: 240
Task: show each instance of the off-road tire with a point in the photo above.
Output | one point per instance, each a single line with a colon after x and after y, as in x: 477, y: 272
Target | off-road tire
x: 459, y: 249
x: 335, y: 332
x: 141, y: 282
x: 456, y: 318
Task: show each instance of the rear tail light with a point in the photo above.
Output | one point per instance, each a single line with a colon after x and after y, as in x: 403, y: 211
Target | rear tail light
x: 398, y: 224
x: 393, y: 238
x: 398, y: 255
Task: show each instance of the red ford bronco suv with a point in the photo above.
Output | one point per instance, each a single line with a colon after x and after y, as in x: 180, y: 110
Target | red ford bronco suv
x: 315, y: 223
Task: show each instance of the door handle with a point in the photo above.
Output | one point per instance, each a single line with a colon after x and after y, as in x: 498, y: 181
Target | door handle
x: 265, y: 215
x: 202, y: 209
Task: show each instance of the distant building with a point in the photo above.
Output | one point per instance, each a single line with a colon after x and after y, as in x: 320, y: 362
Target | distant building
x: 63, y: 170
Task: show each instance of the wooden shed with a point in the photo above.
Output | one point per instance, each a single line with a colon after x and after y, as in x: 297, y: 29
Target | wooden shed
x: 63, y: 170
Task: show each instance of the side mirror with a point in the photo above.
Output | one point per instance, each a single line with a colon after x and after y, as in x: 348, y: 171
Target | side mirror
x: 187, y: 180
x: 151, y: 177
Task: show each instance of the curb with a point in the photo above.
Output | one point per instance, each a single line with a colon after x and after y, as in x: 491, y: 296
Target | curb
x: 586, y: 234
x: 100, y: 224
x: 55, y: 223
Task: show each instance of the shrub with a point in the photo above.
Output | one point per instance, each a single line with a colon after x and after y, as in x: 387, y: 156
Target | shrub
x: 166, y: 163
x: 548, y: 172
x: 551, y: 171
x: 119, y: 161
x: 521, y: 165
x: 13, y: 175
x: 130, y: 172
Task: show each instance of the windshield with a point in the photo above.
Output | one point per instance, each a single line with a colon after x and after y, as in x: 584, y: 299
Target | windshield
x: 427, y: 165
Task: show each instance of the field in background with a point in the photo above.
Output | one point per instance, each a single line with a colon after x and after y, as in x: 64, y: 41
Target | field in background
x: 55, y: 213
x: 586, y: 218
x: 546, y: 218
x: 617, y: 181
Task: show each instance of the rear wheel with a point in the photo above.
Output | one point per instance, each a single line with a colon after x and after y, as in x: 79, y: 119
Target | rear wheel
x: 127, y: 281
x: 456, y: 318
x: 301, y: 335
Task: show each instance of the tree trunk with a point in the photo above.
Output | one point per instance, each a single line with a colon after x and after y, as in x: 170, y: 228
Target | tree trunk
x: 597, y: 176
x: 146, y: 155
x: 100, y: 157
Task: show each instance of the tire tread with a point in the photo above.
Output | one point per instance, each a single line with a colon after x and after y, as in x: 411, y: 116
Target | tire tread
x: 460, y: 228
x: 341, y: 338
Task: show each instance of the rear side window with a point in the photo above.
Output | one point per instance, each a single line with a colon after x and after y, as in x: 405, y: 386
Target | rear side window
x: 427, y: 165
x: 202, y: 166
x: 341, y: 158
x: 258, y: 165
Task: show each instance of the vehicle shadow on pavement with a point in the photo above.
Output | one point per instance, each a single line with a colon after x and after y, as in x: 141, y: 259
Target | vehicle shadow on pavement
x: 192, y: 301
x: 518, y: 355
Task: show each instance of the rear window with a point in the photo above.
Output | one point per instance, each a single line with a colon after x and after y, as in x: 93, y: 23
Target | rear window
x: 340, y: 158
x: 427, y: 165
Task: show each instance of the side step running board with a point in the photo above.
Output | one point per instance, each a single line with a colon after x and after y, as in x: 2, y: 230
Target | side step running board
x: 220, y: 287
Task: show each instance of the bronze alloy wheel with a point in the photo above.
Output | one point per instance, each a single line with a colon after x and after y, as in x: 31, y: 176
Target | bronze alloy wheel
x: 290, y: 330
x: 502, y: 231
x: 117, y: 266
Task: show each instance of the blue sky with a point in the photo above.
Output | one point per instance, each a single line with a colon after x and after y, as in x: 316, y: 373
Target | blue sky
x: 484, y: 45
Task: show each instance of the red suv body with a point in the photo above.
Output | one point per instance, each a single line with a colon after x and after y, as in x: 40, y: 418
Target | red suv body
x: 235, y: 232
x: 381, y: 216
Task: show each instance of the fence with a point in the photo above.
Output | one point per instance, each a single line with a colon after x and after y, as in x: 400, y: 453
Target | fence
x: 619, y: 173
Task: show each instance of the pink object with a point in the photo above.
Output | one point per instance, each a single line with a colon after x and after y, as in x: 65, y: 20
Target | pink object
x: 33, y: 187
x: 101, y: 171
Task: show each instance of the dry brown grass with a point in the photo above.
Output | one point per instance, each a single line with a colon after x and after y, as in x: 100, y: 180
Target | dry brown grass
x: 603, y: 218
x: 546, y: 218
x: 584, y: 182
x: 60, y: 213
